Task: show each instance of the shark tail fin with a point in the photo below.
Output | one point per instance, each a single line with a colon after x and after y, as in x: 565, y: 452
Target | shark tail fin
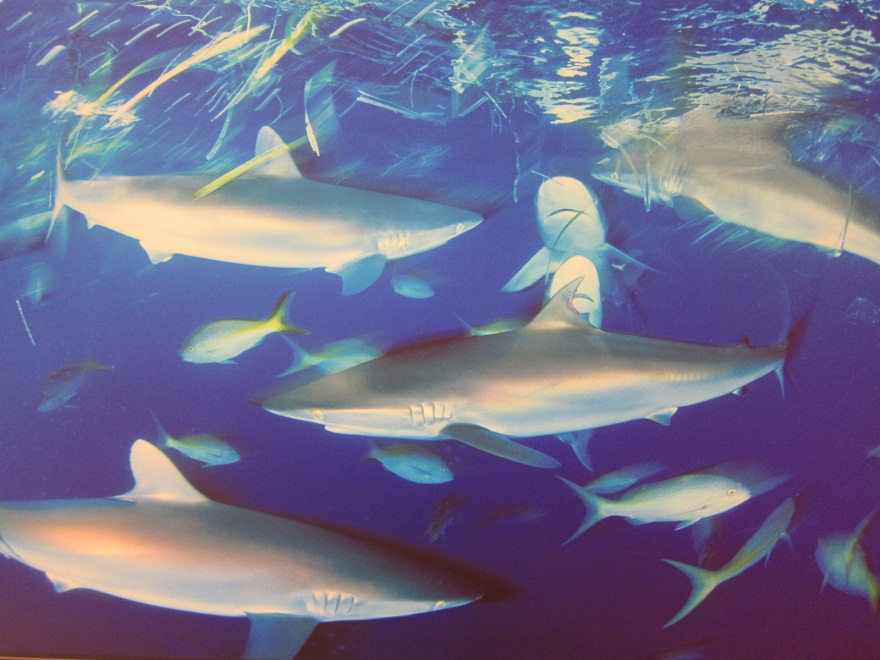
x: 702, y: 584
x: 279, y: 316
x: 596, y: 508
x: 300, y: 361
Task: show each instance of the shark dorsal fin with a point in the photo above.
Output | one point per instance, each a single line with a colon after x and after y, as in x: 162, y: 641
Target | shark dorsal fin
x: 281, y: 165
x: 157, y: 479
x: 559, y: 312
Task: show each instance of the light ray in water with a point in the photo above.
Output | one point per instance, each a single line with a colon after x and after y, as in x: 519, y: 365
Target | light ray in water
x: 24, y: 320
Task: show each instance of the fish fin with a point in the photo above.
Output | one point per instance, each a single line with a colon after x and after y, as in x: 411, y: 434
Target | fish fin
x: 686, y: 523
x: 278, y: 316
x: 536, y: 268
x: 358, y: 275
x: 60, y: 584
x: 282, y: 165
x: 692, y: 210
x: 596, y: 507
x: 277, y: 636
x: 157, y: 479
x: 579, y: 442
x: 299, y: 362
x: 615, y: 254
x: 702, y: 584
x: 559, y: 313
x: 156, y: 255
x: 165, y: 438
x: 663, y: 416
x: 498, y: 445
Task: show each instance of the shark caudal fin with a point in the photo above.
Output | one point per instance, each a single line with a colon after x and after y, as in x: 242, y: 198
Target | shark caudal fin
x: 703, y: 582
x: 597, y: 508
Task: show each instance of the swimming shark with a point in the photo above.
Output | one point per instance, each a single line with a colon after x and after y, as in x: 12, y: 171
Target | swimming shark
x: 271, y: 216
x: 163, y: 543
x: 739, y: 171
x: 557, y: 374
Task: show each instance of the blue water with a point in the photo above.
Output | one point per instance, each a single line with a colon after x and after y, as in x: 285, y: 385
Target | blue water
x: 545, y: 78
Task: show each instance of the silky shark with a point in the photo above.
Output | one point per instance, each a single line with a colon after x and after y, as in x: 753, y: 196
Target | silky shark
x: 557, y: 374
x: 163, y: 543
x: 272, y: 216
x: 740, y: 171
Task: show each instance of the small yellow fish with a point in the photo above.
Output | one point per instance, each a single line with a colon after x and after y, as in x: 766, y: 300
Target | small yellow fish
x: 220, y: 341
x: 413, y: 463
x: 203, y: 447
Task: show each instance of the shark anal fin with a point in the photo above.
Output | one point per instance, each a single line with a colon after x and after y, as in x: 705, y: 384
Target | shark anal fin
x: 277, y: 636
x: 536, y: 268
x: 358, y: 275
x: 497, y: 444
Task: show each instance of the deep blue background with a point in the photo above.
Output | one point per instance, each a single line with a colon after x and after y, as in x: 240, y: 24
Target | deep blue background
x: 608, y: 593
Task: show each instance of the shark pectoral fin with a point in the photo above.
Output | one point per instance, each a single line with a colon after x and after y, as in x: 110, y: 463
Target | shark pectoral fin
x: 536, y: 268
x: 156, y: 255
x: 61, y: 584
x: 663, y: 416
x: 497, y: 444
x: 358, y: 275
x: 277, y: 636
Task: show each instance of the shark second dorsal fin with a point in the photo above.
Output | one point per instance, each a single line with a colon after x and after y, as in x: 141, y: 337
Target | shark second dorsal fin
x: 559, y: 312
x: 281, y: 165
x: 156, y: 478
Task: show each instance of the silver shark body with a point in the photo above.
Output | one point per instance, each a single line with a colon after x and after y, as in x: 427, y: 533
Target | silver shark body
x: 165, y: 544
x: 272, y: 216
x: 739, y: 171
x: 557, y: 374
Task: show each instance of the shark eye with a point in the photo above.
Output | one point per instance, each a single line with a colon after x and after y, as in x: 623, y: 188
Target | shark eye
x: 439, y: 605
x: 318, y: 414
x: 615, y: 176
x: 459, y: 228
x: 732, y: 491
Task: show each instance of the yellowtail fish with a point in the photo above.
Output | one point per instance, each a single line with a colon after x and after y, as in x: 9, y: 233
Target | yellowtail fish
x: 165, y: 544
x: 220, y: 341
x: 684, y: 499
x: 444, y: 514
x: 845, y: 563
x: 416, y: 464
x: 333, y: 357
x: 203, y: 447
x: 703, y: 581
x: 66, y: 383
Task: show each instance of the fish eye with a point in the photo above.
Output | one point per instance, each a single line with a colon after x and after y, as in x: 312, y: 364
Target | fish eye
x: 732, y: 491
x: 190, y: 349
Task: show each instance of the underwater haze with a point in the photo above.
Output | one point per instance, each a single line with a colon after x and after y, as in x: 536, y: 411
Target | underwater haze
x: 432, y: 165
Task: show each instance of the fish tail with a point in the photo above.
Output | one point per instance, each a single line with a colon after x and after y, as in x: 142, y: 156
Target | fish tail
x: 165, y: 438
x: 301, y: 359
x: 278, y: 318
x: 702, y: 584
x: 596, y: 508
